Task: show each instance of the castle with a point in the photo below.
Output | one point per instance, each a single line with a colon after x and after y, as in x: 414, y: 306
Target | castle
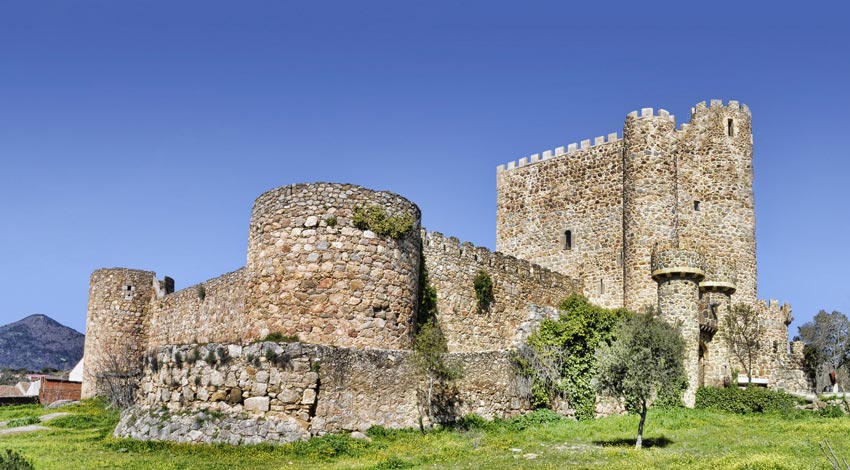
x: 662, y: 217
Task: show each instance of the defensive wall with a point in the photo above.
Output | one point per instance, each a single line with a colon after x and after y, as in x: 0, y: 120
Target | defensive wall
x: 661, y: 217
x: 280, y: 392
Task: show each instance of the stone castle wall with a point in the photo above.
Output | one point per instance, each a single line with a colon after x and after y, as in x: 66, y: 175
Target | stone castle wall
x: 280, y: 392
x: 578, y: 189
x: 518, y: 287
x: 312, y: 273
x: 116, y: 323
x: 212, y: 311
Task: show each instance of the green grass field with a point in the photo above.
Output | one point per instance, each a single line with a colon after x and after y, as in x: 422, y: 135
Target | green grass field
x: 676, y: 438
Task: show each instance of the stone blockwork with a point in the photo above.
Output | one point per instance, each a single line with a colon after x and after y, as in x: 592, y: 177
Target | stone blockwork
x: 207, y: 312
x: 579, y: 190
x: 518, y: 287
x: 280, y: 392
x: 659, y: 187
x: 312, y: 273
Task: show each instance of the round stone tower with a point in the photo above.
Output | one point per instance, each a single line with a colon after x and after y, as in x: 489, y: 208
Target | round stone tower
x: 116, y: 324
x: 314, y: 273
x: 649, y: 199
x: 678, y: 274
x: 715, y: 190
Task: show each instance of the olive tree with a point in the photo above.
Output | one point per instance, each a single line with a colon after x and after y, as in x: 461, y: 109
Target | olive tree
x: 430, y: 357
x: 644, y: 360
x: 742, y: 329
x: 827, y: 339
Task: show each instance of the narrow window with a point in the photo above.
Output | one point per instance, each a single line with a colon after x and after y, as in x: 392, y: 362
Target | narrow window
x: 601, y: 287
x: 775, y: 347
x: 696, y: 205
x: 730, y: 127
x: 568, y: 240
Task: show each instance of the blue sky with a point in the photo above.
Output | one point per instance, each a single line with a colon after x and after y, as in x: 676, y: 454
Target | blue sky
x: 138, y: 134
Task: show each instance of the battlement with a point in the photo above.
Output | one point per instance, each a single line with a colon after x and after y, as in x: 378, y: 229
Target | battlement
x: 650, y: 113
x: 731, y: 104
x: 774, y: 311
x: 560, y: 151
x: 494, y: 260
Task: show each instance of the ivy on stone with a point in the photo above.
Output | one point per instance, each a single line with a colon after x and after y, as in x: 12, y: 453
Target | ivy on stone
x: 560, y: 356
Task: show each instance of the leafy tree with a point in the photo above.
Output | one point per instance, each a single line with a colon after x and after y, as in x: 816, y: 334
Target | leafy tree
x: 742, y: 330
x: 827, y: 339
x: 644, y: 360
x: 560, y: 358
x: 430, y: 358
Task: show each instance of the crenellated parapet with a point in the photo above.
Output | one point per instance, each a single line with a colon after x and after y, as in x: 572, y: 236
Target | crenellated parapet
x: 520, y: 289
x: 560, y: 151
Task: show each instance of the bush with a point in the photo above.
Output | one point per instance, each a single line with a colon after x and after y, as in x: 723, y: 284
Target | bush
x: 278, y: 337
x: 11, y: 460
x: 25, y: 421
x: 743, y: 401
x: 393, y: 463
x: 329, y: 447
x: 831, y: 411
x: 483, y: 285
x: 375, y: 218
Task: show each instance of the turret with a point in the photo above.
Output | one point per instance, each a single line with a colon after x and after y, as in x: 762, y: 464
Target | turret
x: 649, y: 199
x: 715, y: 190
x: 678, y: 274
x: 715, y: 290
x: 116, y: 325
x: 317, y: 273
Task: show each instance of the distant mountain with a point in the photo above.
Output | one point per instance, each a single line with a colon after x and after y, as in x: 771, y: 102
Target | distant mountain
x: 38, y: 342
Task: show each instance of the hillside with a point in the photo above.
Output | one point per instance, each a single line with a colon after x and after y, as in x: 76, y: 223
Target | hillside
x: 38, y: 342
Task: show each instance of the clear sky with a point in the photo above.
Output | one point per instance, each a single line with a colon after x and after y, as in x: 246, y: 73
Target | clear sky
x: 137, y: 134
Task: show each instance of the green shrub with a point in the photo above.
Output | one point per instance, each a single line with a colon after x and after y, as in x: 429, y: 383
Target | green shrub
x: 278, y: 337
x: 743, y: 401
x: 483, y: 285
x: 12, y: 460
x: 560, y: 359
x: 202, y: 292
x: 329, y: 446
x: 831, y: 411
x: 393, y: 463
x: 375, y: 218
x: 331, y: 221
x: 25, y: 421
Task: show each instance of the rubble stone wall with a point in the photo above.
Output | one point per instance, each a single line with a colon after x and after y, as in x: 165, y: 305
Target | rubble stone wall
x: 280, y: 392
x: 518, y: 287
x: 212, y: 311
x: 313, y: 274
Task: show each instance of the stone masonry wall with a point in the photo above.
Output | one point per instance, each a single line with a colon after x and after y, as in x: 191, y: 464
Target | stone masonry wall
x: 517, y: 286
x: 185, y: 317
x: 280, y: 392
x: 579, y: 189
x: 715, y: 190
x: 312, y: 273
x: 116, y: 323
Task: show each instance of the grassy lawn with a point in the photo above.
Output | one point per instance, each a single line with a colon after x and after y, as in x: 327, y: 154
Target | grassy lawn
x: 676, y: 439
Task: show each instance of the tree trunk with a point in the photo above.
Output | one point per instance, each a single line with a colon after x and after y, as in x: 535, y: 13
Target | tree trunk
x: 430, y: 402
x: 639, y: 440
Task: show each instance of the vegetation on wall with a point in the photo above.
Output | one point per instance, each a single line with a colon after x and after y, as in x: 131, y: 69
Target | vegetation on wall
x: 483, y: 285
x: 430, y: 357
x: 645, y: 358
x: 202, y: 292
x: 375, y: 218
x: 427, y: 307
x: 560, y: 356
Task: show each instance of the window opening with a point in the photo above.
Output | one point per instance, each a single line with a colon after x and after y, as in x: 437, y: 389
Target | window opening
x: 601, y: 287
x: 730, y: 127
x: 696, y: 205
x: 568, y: 240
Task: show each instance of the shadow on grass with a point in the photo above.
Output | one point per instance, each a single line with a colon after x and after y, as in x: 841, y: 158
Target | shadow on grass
x: 647, y: 442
